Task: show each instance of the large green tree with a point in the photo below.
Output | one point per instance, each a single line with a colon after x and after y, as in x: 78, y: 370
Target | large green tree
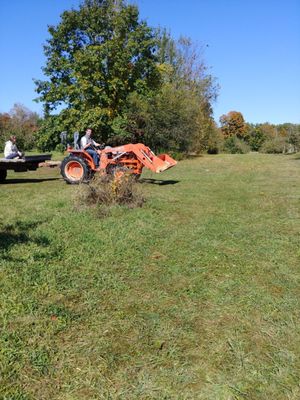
x: 96, y: 57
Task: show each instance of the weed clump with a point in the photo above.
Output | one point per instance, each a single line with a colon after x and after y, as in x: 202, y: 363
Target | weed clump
x: 107, y: 191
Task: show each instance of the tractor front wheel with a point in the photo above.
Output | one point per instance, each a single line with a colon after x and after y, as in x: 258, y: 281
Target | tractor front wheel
x: 74, y: 170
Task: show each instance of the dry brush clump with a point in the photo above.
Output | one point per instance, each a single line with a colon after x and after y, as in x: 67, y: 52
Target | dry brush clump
x: 105, y: 191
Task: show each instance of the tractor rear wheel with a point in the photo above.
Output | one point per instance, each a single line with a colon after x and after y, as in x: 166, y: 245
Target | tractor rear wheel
x: 3, y: 174
x: 74, y: 170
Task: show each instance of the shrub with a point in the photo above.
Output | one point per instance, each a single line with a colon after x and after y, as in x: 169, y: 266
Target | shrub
x: 256, y: 139
x: 104, y: 191
x: 233, y: 145
x: 177, y: 155
x: 274, y: 146
x: 215, y: 142
x: 60, y: 148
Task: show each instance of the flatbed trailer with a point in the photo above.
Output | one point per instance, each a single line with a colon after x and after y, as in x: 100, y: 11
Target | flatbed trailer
x: 28, y: 163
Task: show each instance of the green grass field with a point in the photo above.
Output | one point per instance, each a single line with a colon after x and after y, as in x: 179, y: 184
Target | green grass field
x: 193, y: 296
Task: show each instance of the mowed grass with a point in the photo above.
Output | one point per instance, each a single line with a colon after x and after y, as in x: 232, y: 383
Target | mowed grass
x: 193, y: 296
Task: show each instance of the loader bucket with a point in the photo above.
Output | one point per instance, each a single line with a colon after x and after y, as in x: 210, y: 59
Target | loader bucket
x: 169, y: 162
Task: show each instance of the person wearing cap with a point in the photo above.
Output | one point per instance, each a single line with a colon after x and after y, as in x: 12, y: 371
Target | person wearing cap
x: 11, y: 150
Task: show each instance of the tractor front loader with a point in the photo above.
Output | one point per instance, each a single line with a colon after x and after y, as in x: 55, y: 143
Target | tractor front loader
x: 132, y: 158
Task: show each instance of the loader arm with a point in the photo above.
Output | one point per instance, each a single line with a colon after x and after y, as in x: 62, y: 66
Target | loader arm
x: 149, y: 160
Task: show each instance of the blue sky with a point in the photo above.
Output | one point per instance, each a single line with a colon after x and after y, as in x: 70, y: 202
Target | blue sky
x: 251, y: 46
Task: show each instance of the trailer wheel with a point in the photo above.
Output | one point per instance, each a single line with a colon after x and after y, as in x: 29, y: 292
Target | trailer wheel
x: 74, y: 170
x: 3, y: 174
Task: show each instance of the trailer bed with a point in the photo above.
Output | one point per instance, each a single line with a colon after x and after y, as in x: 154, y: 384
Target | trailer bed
x: 28, y: 163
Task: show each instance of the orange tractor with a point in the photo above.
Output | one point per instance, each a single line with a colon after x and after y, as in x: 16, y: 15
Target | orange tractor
x: 79, y: 165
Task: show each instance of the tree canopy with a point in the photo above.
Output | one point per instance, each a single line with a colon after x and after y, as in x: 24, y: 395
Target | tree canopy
x: 108, y: 70
x: 21, y: 122
x: 96, y: 56
x: 233, y: 124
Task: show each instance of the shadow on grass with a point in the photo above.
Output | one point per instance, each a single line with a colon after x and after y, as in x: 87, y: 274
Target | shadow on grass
x: 18, y: 233
x: 27, y: 180
x: 158, y: 181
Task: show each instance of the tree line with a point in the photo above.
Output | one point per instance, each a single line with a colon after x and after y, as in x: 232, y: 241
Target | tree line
x: 234, y: 135
x: 107, y: 69
x: 238, y: 136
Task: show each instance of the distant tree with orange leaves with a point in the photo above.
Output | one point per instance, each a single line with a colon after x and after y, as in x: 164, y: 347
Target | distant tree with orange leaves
x: 233, y: 124
x: 5, y: 123
x: 21, y: 122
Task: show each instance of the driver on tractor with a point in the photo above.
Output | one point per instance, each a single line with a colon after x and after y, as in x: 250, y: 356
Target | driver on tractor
x: 88, y: 144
